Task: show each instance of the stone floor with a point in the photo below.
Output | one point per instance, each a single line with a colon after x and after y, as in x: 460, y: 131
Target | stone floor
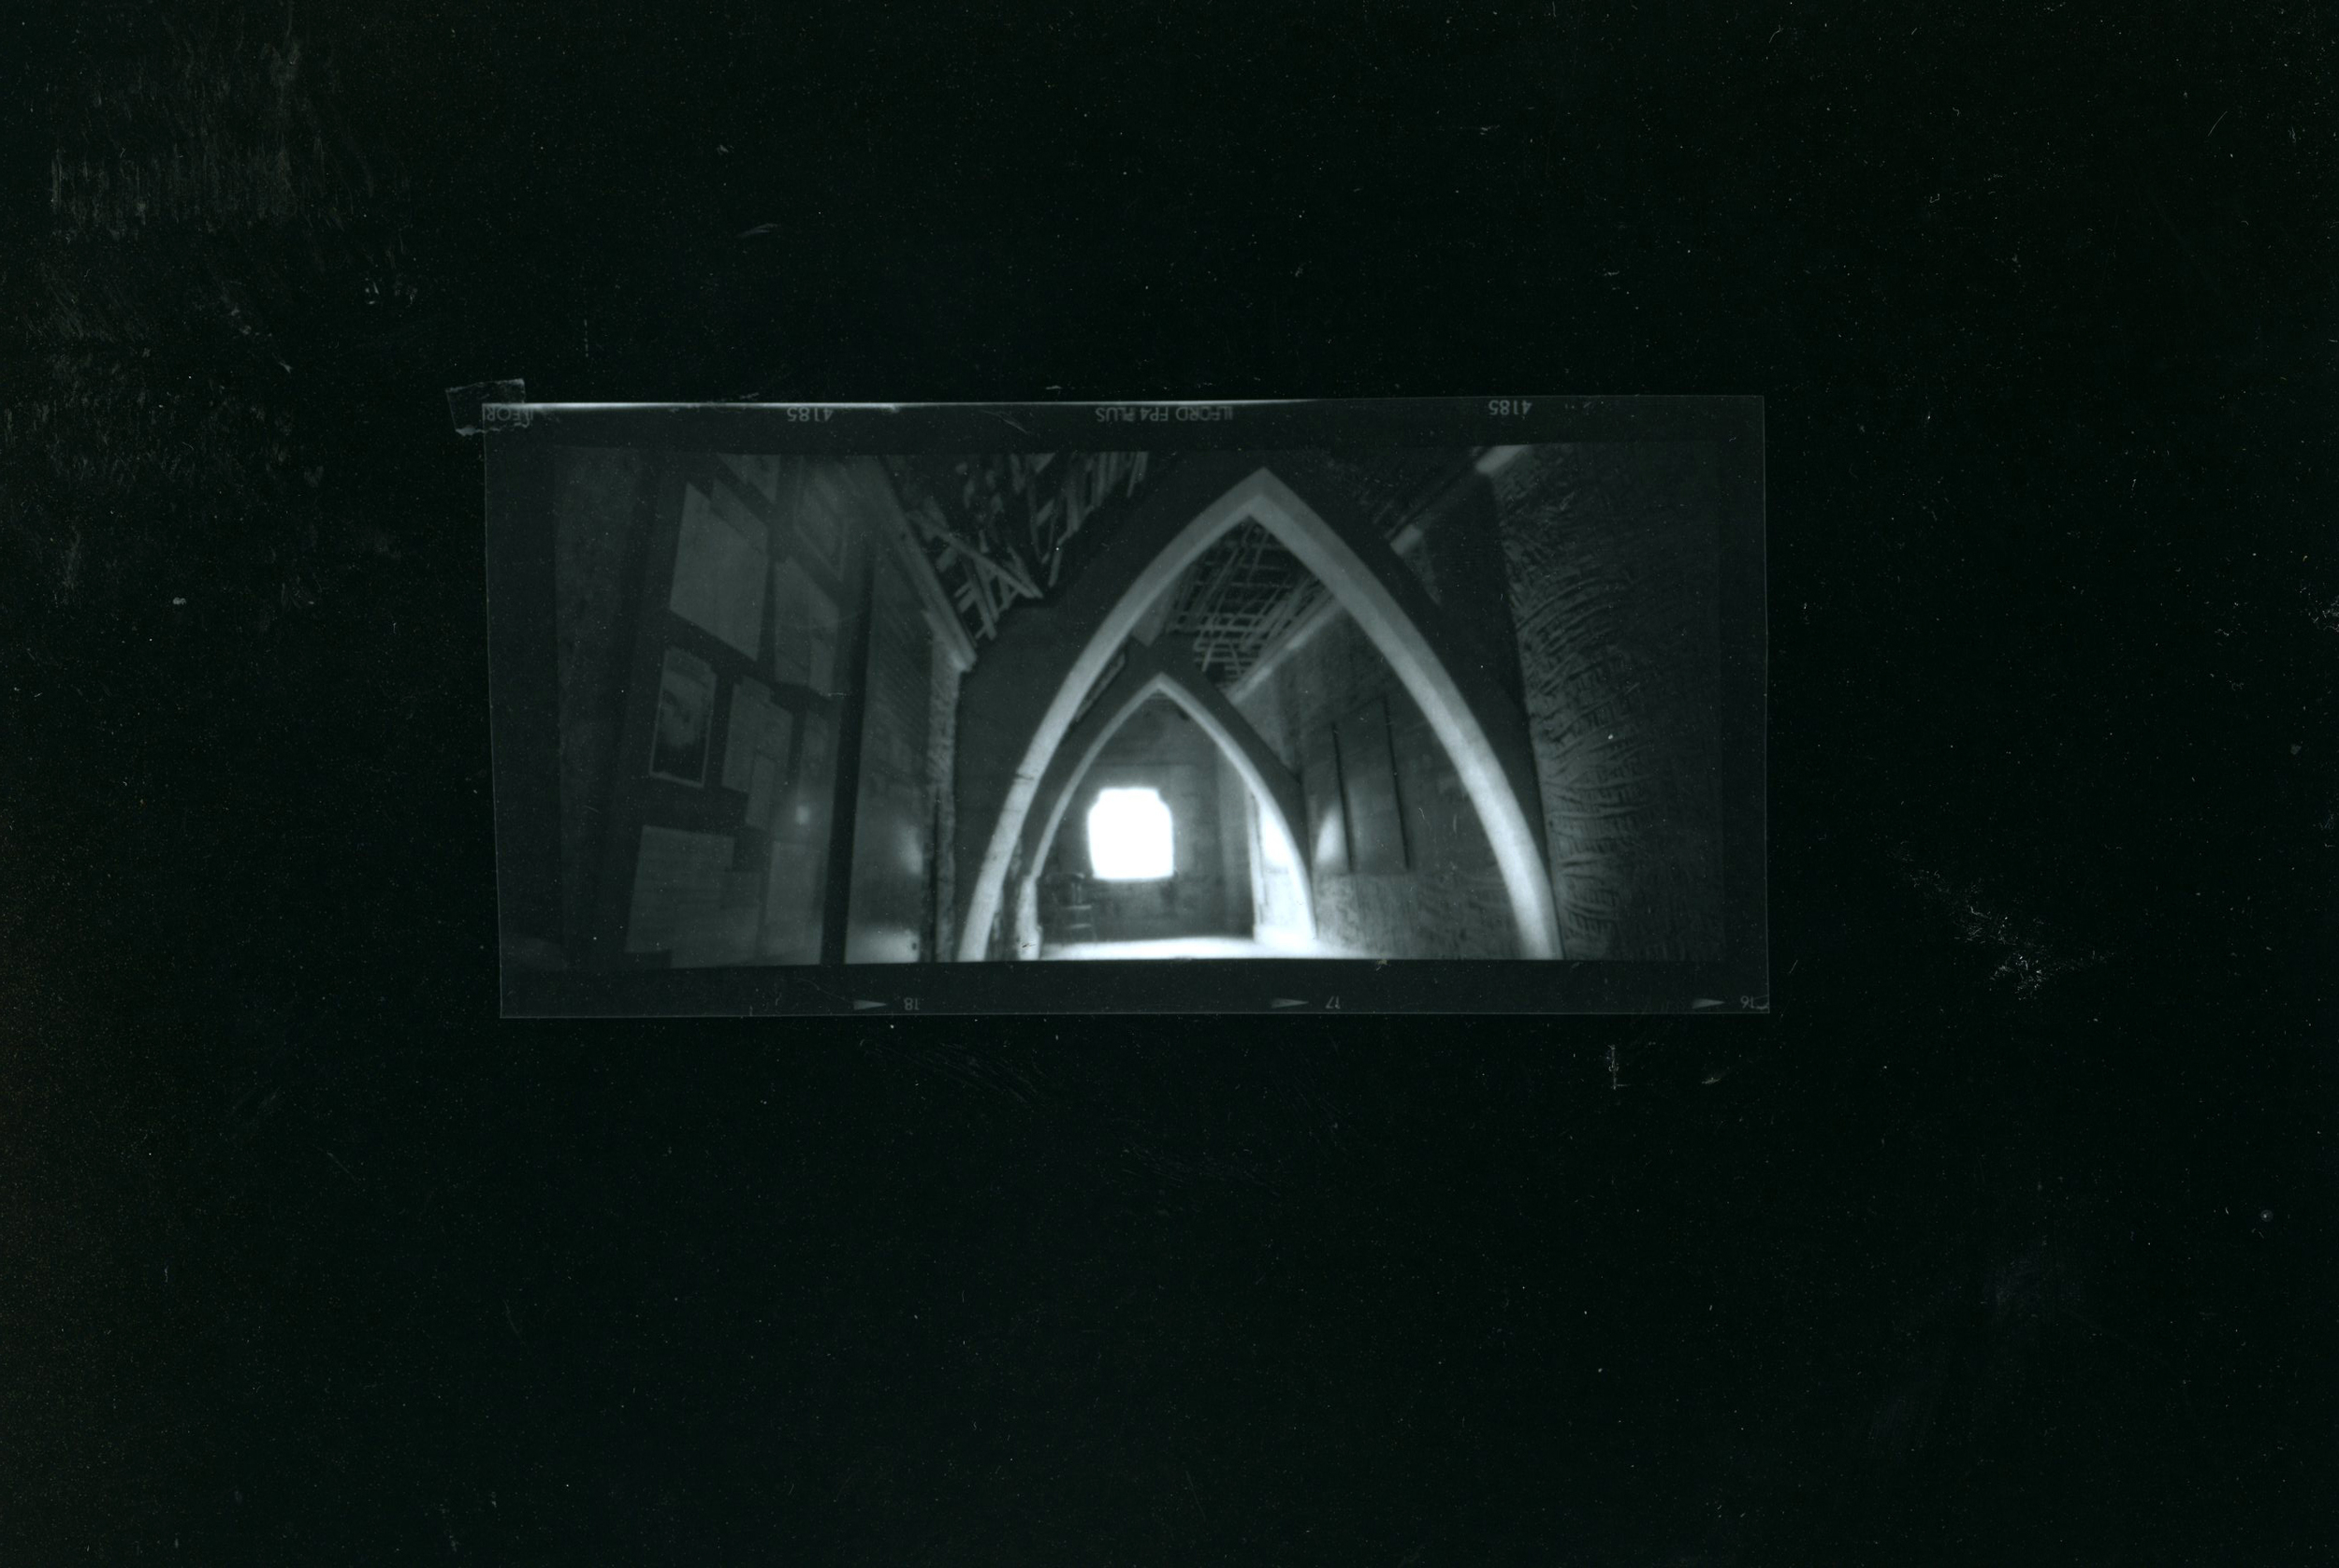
x: 1189, y: 947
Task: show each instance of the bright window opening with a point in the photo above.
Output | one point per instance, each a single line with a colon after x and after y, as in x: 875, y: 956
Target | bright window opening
x: 1128, y: 836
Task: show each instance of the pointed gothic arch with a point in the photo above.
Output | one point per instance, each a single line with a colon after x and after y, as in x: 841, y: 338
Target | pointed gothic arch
x: 1046, y: 683
x: 1162, y: 669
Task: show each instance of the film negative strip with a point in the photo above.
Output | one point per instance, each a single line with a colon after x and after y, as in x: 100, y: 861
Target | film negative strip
x: 1398, y: 705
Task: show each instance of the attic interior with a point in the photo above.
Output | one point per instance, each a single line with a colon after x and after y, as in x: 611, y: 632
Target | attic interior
x: 1395, y: 704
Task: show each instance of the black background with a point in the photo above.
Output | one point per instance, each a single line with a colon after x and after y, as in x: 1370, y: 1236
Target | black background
x: 2006, y: 1238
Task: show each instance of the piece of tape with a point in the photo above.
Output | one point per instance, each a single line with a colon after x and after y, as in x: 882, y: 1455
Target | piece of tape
x: 467, y: 405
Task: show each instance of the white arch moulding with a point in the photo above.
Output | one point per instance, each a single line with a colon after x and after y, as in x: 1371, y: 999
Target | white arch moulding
x: 1472, y: 718
x: 1161, y: 670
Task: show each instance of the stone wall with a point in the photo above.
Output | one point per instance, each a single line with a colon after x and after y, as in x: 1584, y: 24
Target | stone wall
x: 1611, y: 554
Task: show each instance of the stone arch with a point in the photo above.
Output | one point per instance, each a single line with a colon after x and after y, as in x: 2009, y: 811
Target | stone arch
x: 1052, y: 663
x: 1160, y: 670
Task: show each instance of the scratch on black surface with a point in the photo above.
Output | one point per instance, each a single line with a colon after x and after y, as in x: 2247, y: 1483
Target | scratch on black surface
x: 992, y: 1074
x: 2031, y: 952
x: 2186, y: 245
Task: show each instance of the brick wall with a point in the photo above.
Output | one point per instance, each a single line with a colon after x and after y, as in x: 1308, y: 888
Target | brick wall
x: 1611, y: 555
x: 1449, y: 903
